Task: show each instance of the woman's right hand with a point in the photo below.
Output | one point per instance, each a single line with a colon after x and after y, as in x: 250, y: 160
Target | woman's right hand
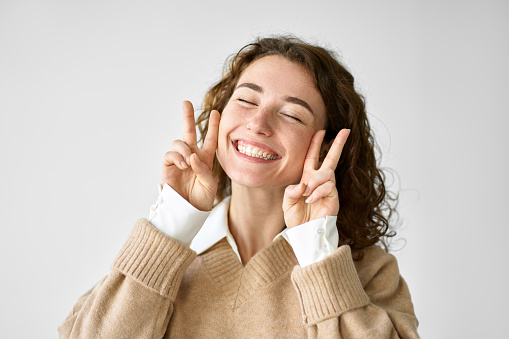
x: 188, y: 168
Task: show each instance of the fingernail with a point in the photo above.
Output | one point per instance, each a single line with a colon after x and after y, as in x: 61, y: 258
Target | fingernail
x: 306, y: 192
x: 188, y: 160
x: 183, y: 163
x: 309, y: 200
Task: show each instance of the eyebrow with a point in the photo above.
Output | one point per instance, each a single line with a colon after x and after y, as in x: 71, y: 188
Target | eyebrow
x: 289, y: 99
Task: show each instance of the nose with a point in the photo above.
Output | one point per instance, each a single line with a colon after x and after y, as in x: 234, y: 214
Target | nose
x: 259, y: 122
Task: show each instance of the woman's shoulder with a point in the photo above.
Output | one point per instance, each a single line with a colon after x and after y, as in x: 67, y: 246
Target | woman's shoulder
x: 376, y: 264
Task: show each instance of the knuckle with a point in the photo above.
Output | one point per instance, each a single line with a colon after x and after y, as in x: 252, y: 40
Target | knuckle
x: 322, y: 176
x: 327, y: 186
x: 176, y: 144
x: 181, y: 147
x: 329, y: 172
x: 211, y: 139
x: 314, y: 181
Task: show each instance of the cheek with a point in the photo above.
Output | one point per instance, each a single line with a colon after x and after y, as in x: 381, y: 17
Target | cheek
x: 225, y: 127
x: 302, y: 142
x: 297, y: 154
x: 222, y: 141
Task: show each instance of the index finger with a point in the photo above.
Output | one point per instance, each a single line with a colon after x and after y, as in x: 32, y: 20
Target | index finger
x: 313, y: 154
x: 332, y: 158
x: 189, y: 136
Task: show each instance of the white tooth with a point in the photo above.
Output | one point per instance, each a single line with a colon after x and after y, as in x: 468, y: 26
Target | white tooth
x: 255, y: 152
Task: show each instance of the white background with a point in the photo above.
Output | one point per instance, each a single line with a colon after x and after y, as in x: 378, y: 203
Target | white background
x: 90, y: 97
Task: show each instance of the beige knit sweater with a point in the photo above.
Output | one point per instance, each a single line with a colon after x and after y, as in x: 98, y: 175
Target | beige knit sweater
x: 159, y: 288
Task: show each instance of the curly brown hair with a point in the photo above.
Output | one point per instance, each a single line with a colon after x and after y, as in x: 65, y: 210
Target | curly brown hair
x: 365, y: 204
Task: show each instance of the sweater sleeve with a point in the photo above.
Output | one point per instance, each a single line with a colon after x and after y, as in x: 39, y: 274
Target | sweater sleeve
x: 136, y: 299
x: 365, y: 299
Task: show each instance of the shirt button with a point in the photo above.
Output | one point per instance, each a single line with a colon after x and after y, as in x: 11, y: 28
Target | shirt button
x: 320, y: 231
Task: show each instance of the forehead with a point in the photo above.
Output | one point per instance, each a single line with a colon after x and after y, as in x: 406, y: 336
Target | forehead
x: 280, y: 77
x: 281, y: 72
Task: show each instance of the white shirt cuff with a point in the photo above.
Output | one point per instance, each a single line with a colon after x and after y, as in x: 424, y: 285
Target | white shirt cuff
x: 314, y: 240
x: 175, y: 216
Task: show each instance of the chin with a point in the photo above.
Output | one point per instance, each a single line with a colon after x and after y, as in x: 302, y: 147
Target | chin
x: 252, y: 181
x: 260, y: 180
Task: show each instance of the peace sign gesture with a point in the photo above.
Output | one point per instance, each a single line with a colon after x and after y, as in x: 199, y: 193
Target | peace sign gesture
x: 188, y: 168
x: 316, y: 195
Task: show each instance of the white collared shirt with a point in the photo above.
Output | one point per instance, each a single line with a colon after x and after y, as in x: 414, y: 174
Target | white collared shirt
x: 177, y: 218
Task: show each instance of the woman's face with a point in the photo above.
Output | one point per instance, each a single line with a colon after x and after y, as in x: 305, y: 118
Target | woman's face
x: 267, y: 125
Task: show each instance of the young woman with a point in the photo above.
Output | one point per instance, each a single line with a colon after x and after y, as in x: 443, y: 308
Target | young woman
x: 269, y: 229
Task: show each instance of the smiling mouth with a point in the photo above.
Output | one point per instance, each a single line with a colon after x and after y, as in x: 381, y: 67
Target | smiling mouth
x: 254, y: 151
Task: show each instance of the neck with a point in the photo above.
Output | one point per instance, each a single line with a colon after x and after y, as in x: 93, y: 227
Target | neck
x: 255, y: 218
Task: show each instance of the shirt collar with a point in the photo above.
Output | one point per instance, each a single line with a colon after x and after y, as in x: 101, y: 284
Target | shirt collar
x: 215, y: 228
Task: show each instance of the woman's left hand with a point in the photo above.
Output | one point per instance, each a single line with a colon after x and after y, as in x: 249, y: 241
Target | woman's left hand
x: 316, y: 195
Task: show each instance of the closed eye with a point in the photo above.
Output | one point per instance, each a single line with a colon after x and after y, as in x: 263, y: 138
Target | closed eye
x: 245, y: 101
x: 292, y: 117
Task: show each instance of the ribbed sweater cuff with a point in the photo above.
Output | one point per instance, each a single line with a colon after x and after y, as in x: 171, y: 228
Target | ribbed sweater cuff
x: 329, y: 287
x: 154, y: 259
